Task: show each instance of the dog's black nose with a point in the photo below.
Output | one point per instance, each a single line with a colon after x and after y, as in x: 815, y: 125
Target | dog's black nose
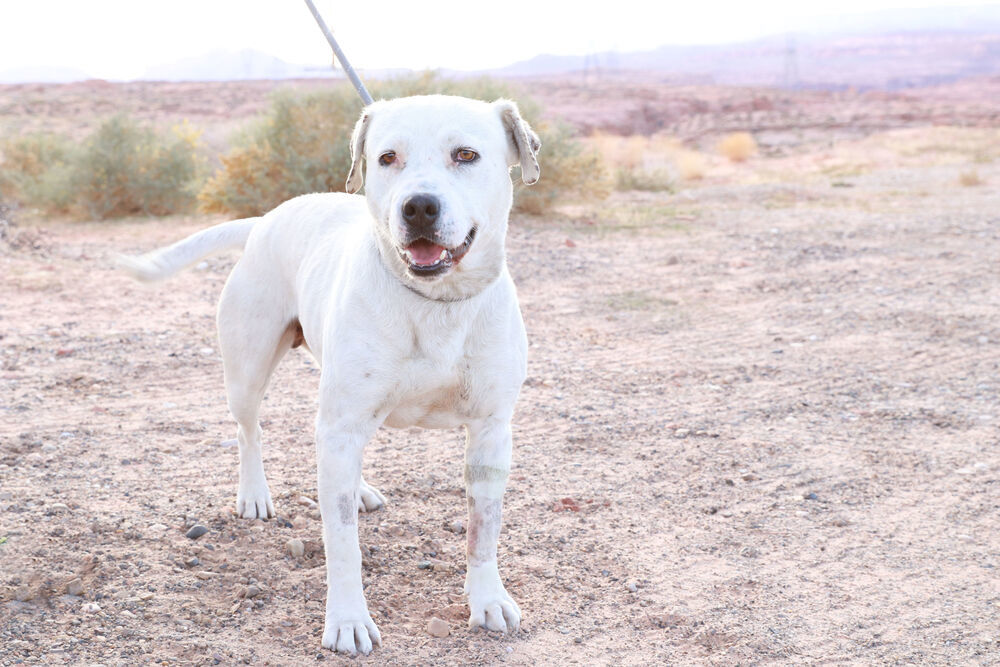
x: 421, y: 212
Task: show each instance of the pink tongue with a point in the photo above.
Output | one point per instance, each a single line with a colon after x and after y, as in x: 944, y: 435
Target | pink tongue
x: 424, y: 252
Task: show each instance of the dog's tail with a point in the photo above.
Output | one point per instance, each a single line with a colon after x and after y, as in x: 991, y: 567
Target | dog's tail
x: 165, y: 262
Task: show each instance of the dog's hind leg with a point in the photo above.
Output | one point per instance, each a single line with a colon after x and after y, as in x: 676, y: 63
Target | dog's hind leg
x: 253, y: 338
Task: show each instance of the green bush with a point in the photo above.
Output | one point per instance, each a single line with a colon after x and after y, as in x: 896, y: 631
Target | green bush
x: 124, y: 169
x: 301, y: 146
x: 121, y: 169
x: 36, y: 170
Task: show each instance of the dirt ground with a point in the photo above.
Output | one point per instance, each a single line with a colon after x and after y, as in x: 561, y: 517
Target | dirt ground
x: 760, y: 426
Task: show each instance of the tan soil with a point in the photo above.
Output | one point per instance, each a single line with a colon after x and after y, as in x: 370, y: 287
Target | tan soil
x: 760, y: 426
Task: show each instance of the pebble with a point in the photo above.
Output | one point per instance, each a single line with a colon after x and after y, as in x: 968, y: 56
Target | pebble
x: 192, y: 562
x: 306, y: 501
x: 205, y: 575
x: 22, y: 594
x: 437, y: 627
x: 456, y: 527
x: 158, y: 527
x: 58, y: 507
x: 295, y: 547
x: 75, y: 587
x: 424, y: 565
x: 253, y: 591
x: 145, y: 596
x: 206, y: 351
x: 974, y: 468
x: 632, y: 588
x: 91, y: 607
x: 196, y: 531
x: 810, y: 496
x: 682, y: 433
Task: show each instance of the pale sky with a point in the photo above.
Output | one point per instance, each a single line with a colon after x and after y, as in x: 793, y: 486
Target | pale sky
x: 119, y: 39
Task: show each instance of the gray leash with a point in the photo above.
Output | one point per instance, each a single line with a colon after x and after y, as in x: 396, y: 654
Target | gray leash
x: 351, y: 74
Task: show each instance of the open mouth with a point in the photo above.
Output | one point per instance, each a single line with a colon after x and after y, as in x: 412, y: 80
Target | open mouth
x: 426, y: 258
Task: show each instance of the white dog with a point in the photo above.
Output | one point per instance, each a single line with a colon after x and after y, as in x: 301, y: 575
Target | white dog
x: 404, y: 298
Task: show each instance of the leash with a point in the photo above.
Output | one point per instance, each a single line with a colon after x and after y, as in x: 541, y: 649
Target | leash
x: 351, y: 74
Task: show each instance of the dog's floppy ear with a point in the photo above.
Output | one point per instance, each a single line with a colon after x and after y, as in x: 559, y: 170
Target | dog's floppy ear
x: 522, y: 140
x: 356, y: 178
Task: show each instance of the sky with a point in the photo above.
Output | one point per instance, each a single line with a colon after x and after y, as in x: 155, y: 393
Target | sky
x: 119, y: 39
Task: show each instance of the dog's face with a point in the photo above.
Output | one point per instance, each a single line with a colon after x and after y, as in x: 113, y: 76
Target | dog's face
x: 438, y: 186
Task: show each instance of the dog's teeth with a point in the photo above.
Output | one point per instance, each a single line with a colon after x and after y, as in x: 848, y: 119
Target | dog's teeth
x: 444, y: 255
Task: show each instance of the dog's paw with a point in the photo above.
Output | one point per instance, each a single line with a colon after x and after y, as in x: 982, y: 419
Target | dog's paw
x: 371, y: 498
x: 351, y: 635
x: 254, y: 502
x: 490, y: 605
x: 498, y: 613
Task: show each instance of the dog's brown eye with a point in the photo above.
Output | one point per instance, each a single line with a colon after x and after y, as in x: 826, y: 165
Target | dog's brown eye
x: 466, y: 155
x: 387, y: 158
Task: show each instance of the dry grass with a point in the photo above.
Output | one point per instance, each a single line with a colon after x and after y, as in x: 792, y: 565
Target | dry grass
x: 652, y: 163
x: 738, y: 146
x: 970, y: 179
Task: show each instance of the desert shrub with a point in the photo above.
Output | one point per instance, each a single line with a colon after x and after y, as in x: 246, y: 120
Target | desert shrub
x: 301, y: 146
x: 36, y: 170
x: 124, y: 169
x: 653, y: 163
x: 738, y: 146
x: 691, y: 165
x: 970, y: 179
x: 120, y: 169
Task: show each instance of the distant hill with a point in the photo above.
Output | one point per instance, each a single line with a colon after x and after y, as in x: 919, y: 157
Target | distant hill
x: 42, y: 74
x: 890, y: 60
x: 233, y: 66
x: 893, y: 48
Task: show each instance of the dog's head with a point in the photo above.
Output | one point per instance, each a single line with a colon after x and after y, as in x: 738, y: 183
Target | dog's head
x: 438, y: 186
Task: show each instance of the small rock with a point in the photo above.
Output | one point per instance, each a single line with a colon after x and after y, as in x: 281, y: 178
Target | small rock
x: 196, y: 531
x: 437, y: 627
x: 192, y: 562
x: 253, y: 591
x: 810, y: 496
x: 306, y: 501
x: 145, y: 596
x: 201, y: 266
x: 456, y: 527
x: 75, y: 587
x: 58, y: 507
x: 206, y: 351
x: 295, y: 547
x: 157, y: 528
x: 91, y: 607
x: 23, y: 593
x: 682, y: 433
x: 632, y: 588
x: 424, y: 565
x: 205, y: 575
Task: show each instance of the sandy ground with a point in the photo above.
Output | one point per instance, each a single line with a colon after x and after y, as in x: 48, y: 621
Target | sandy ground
x: 760, y: 426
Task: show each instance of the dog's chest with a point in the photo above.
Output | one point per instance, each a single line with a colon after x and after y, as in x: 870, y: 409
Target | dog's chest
x: 435, y: 385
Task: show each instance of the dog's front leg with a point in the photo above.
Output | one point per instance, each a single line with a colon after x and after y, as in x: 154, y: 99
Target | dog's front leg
x: 487, y: 464
x: 349, y: 627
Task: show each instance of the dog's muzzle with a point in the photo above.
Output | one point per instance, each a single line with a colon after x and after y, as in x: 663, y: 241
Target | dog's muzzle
x: 425, y: 258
